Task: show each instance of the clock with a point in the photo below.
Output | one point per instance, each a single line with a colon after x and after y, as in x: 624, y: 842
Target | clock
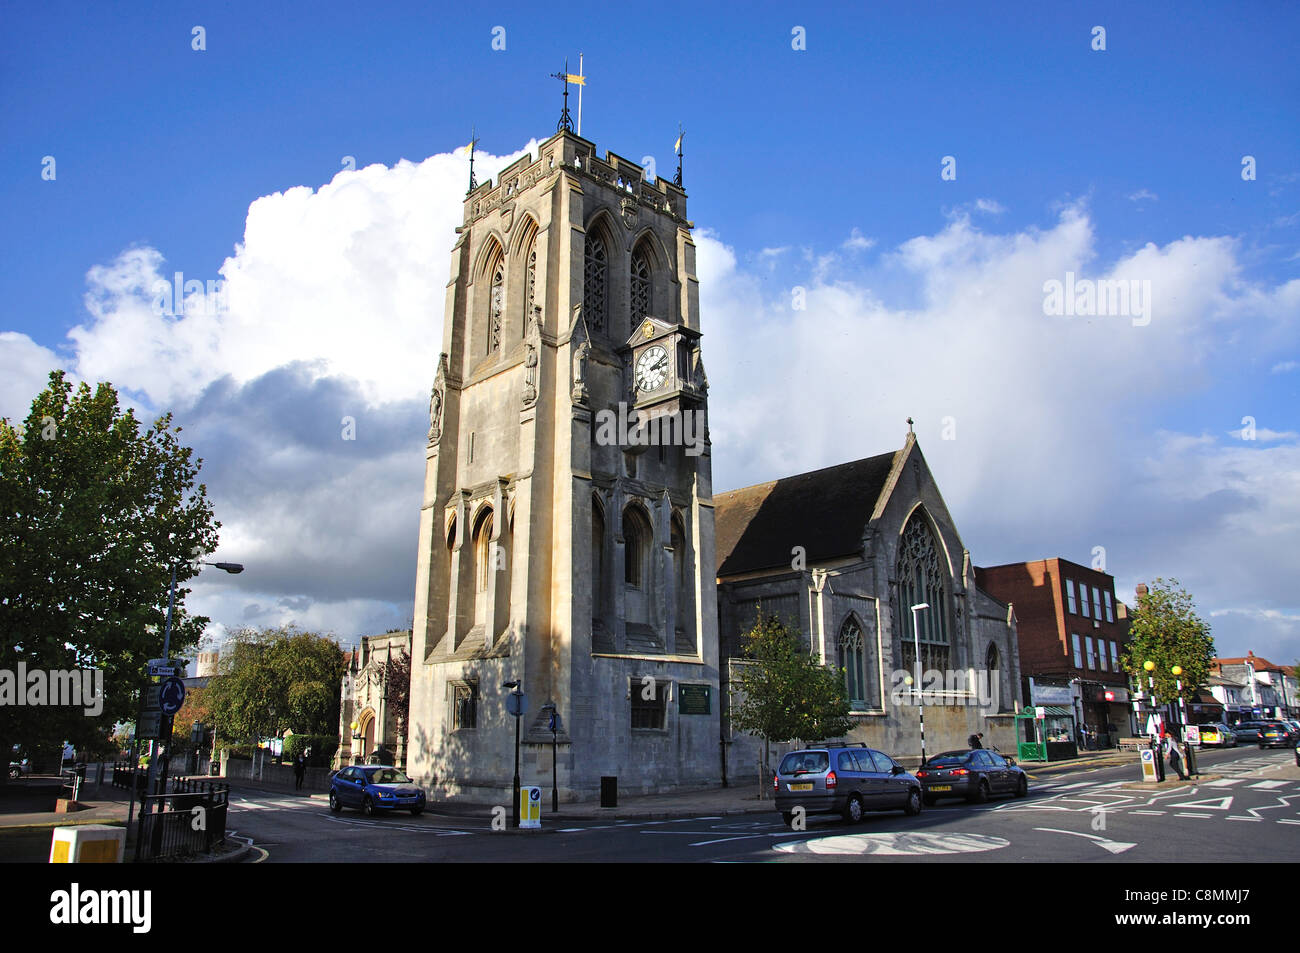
x: 652, y: 369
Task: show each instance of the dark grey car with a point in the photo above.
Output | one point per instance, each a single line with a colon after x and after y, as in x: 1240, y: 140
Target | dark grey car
x: 846, y: 780
x: 973, y: 774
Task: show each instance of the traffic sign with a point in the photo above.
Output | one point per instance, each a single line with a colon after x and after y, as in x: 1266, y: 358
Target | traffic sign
x: 171, y: 696
x: 163, y: 667
x: 150, y: 700
x: 1192, y: 734
x: 149, y: 725
x: 516, y: 703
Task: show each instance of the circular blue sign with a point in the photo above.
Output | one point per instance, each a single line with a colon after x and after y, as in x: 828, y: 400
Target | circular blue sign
x: 171, y: 695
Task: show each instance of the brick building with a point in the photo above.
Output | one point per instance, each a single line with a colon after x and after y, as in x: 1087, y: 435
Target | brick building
x: 1071, y: 632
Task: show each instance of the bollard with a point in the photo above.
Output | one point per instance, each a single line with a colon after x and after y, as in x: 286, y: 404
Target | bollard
x: 88, y: 844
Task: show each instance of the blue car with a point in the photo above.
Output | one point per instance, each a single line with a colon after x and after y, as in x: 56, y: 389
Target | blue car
x: 375, y: 787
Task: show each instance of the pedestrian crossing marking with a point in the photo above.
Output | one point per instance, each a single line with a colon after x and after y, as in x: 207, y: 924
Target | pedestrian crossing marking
x: 1223, y: 782
x: 1268, y: 785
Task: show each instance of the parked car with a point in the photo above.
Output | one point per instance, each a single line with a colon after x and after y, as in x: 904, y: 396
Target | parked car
x: 1218, y: 736
x: 17, y: 769
x: 1276, y: 734
x: 973, y: 774
x: 848, y: 780
x: 372, y: 788
x: 1247, y: 732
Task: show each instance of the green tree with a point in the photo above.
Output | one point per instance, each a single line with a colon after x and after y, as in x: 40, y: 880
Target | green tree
x: 1165, y: 630
x: 275, y: 679
x: 786, y: 692
x: 94, y: 511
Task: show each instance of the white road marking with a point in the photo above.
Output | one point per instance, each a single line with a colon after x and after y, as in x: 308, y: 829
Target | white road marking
x: 1189, y: 814
x: 1223, y: 782
x: 1150, y: 813
x: 1238, y: 817
x: 895, y: 844
x: 1115, y: 847
x: 1283, y: 820
x: 1269, y: 785
x: 1213, y: 803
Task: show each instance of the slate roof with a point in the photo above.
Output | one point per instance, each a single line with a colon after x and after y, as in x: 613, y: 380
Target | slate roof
x: 824, y: 511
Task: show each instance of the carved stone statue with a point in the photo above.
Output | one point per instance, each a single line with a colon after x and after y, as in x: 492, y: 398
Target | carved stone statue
x: 437, y: 397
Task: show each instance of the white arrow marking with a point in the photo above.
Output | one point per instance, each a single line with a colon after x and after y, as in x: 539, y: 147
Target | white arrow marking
x: 1114, y: 846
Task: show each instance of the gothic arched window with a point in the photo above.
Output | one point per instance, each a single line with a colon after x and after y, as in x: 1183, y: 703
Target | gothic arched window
x: 496, y: 300
x: 853, y: 656
x: 530, y: 288
x: 597, y: 559
x: 640, y: 286
x: 636, y: 543
x: 922, y: 579
x: 991, y: 660
x: 483, y: 565
x: 595, y: 282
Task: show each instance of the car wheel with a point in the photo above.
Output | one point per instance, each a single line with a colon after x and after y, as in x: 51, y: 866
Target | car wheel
x: 981, y: 793
x: 15, y: 774
x: 417, y: 811
x: 913, y: 803
x: 853, y: 810
x: 1022, y: 789
x: 335, y: 806
x: 368, y: 807
x: 930, y: 800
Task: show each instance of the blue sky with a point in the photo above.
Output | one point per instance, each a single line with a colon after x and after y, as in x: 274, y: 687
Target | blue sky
x: 817, y: 168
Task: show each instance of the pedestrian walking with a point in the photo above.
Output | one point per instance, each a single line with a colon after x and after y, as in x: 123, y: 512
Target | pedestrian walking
x: 976, y: 740
x: 1175, y: 755
x: 299, y: 771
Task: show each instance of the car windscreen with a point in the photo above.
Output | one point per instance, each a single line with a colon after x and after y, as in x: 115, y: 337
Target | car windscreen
x: 388, y: 776
x: 805, y: 762
x: 949, y: 757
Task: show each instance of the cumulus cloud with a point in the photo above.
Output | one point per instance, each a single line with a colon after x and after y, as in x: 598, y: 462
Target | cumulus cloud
x: 332, y: 308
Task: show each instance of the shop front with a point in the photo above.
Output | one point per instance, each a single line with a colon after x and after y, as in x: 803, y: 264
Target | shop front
x: 1046, y: 733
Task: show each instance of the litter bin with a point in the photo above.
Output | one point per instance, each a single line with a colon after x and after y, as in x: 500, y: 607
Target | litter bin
x: 609, y: 792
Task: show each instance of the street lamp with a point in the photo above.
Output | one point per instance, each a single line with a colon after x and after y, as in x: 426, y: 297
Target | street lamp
x: 233, y: 569
x: 1177, y: 672
x: 554, y: 724
x: 518, y: 711
x: 920, y: 699
x: 1150, y: 666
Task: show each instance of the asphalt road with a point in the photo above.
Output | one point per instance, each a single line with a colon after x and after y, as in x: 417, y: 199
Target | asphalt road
x: 1250, y: 815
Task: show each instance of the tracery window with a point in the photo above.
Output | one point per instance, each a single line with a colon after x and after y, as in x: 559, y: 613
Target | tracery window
x: 640, y: 287
x: 636, y: 540
x: 922, y: 579
x: 853, y: 658
x: 530, y: 288
x: 496, y: 299
x: 595, y: 282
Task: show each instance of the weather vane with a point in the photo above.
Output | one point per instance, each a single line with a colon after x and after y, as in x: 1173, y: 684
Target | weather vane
x: 677, y: 148
x: 566, y: 123
x: 472, y: 141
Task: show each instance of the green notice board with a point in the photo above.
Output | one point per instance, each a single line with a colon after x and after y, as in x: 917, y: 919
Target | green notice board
x: 695, y: 699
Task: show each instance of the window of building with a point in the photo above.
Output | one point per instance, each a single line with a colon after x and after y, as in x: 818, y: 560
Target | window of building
x: 1114, y: 656
x: 1069, y: 597
x: 464, y: 706
x: 1078, y: 651
x: 1110, y: 615
x: 1101, y: 656
x: 640, y: 286
x: 922, y: 578
x: 649, y: 703
x: 636, y: 543
x: 530, y: 287
x: 595, y: 283
x: 1092, y: 653
x: 1096, y: 603
x: 597, y: 559
x: 1083, y: 600
x: 853, y: 657
x: 496, y: 302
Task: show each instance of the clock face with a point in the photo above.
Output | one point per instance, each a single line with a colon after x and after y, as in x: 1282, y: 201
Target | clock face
x: 652, y: 369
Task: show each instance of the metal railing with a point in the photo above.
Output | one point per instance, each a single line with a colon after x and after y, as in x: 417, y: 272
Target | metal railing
x: 189, y: 819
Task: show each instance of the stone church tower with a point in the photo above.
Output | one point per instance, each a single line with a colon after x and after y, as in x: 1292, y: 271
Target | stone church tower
x: 566, y: 534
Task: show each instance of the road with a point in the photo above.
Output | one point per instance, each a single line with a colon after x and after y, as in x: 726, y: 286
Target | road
x: 1252, y: 814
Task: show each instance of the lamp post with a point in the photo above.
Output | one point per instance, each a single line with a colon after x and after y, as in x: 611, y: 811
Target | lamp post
x: 1177, y: 672
x: 920, y: 699
x: 554, y: 725
x: 233, y: 569
x: 518, y: 711
x: 1149, y: 667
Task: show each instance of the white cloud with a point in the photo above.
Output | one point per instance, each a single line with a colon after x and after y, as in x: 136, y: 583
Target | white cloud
x: 989, y: 206
x: 1285, y: 367
x: 1143, y: 194
x: 24, y: 372
x: 858, y: 242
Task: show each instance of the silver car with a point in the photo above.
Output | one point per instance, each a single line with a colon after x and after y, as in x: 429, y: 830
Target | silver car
x: 847, y: 780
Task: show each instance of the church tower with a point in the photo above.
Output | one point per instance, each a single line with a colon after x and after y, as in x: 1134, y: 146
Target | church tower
x: 566, y: 533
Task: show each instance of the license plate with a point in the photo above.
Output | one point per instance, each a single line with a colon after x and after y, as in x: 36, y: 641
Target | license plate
x: 941, y: 787
x: 800, y: 787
